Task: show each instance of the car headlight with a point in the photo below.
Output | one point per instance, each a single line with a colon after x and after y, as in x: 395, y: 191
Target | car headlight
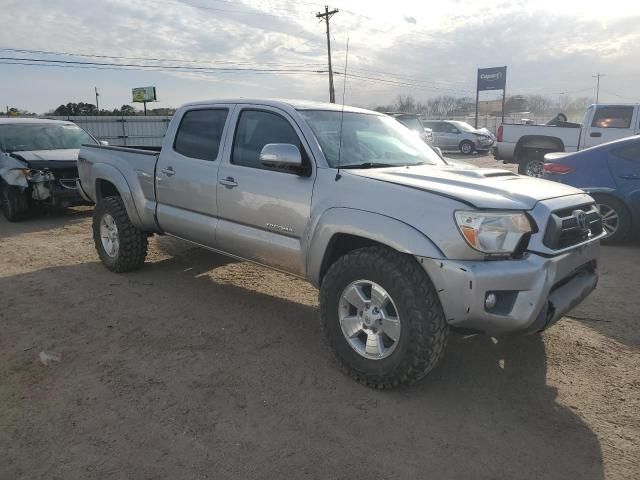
x: 493, y: 232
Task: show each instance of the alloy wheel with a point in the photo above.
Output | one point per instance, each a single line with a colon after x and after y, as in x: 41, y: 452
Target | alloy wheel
x: 369, y: 319
x: 610, y: 219
x: 109, y: 235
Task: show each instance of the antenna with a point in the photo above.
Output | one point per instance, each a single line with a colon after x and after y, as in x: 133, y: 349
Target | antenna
x: 344, y: 89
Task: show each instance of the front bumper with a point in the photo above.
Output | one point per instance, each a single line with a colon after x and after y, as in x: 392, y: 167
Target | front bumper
x: 532, y: 293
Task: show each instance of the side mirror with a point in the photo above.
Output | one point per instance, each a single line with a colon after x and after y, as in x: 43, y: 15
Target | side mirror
x: 104, y: 142
x: 281, y: 155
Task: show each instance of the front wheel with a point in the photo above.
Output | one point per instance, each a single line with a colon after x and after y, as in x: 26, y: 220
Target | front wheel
x: 120, y: 245
x: 382, y: 317
x: 14, y: 202
x: 616, y: 221
x: 467, y: 147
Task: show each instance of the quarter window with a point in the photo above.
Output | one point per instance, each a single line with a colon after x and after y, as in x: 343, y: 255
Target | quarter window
x: 256, y: 129
x: 630, y: 152
x: 613, y: 117
x: 200, y: 133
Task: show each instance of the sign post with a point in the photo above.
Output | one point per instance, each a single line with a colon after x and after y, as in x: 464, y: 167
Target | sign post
x: 144, y: 95
x: 494, y: 78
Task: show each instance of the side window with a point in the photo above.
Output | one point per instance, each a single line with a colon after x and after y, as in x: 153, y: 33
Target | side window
x: 199, y: 133
x: 630, y: 152
x: 612, y: 117
x: 257, y: 128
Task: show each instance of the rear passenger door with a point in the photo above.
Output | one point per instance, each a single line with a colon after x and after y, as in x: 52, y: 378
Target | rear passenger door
x: 264, y: 212
x: 187, y: 174
x: 439, y: 139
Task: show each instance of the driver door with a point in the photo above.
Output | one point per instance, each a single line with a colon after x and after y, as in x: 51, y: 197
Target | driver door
x: 264, y: 212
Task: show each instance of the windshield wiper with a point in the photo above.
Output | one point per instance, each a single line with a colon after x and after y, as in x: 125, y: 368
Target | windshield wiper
x: 371, y: 165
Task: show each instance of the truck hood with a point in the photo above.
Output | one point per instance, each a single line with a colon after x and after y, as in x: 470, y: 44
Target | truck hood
x: 479, y: 187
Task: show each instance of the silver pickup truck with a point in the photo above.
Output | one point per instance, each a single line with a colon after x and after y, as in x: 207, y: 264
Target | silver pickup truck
x: 402, y: 245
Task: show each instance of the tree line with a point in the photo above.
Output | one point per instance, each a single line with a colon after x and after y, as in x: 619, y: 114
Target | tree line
x: 448, y: 105
x: 81, y: 109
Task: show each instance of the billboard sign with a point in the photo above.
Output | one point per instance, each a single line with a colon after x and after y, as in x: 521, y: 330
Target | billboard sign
x: 492, y: 78
x: 144, y: 94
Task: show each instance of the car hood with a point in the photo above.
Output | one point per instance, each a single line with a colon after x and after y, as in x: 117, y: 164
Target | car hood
x: 67, y: 155
x: 479, y: 187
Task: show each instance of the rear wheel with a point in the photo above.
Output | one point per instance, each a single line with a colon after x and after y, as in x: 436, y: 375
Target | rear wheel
x: 531, y: 164
x: 615, y: 219
x: 14, y: 202
x: 382, y: 317
x: 120, y: 245
x: 467, y: 147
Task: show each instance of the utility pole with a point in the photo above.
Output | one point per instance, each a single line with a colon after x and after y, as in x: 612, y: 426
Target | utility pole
x: 598, y: 75
x: 326, y: 16
x: 97, y: 103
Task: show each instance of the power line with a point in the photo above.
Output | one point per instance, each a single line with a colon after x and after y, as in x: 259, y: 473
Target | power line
x: 152, y: 59
x: 167, y: 67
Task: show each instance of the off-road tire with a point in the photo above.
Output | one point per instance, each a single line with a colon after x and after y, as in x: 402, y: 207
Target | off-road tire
x: 14, y: 202
x: 468, y: 145
x: 621, y: 235
x: 424, y: 332
x: 133, y: 243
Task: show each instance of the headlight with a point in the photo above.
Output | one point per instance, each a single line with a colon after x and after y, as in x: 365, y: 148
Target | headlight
x: 493, y: 232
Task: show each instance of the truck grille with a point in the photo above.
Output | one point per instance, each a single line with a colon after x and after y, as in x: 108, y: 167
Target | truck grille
x: 572, y: 226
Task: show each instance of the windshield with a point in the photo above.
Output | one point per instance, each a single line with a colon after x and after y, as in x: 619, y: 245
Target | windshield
x: 45, y: 136
x: 368, y: 140
x: 463, y: 126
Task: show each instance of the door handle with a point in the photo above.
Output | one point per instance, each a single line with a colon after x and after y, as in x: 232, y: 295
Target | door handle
x: 169, y: 171
x: 595, y: 134
x: 228, y: 182
x: 630, y: 176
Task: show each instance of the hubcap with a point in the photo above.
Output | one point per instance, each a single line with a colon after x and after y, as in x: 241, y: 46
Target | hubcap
x: 610, y: 219
x: 109, y: 235
x: 466, y: 148
x: 535, y: 168
x: 369, y: 319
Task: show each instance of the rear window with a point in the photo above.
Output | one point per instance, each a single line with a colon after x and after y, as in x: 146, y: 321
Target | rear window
x: 613, y: 117
x: 200, y: 133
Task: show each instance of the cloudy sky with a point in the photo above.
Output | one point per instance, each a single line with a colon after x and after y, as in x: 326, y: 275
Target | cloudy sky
x: 277, y: 48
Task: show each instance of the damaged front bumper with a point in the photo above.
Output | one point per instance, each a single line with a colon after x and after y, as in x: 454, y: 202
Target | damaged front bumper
x: 528, y: 294
x: 42, y: 185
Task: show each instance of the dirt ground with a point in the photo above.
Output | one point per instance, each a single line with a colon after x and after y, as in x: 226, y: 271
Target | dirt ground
x: 199, y: 367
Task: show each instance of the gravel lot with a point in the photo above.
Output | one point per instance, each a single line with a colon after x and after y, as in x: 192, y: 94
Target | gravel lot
x: 199, y: 367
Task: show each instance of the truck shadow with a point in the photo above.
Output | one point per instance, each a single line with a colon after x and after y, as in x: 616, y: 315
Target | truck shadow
x: 42, y: 220
x: 613, y: 308
x: 179, y: 367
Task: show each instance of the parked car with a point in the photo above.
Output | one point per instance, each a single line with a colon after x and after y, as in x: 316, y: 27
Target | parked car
x: 453, y: 135
x: 401, y: 244
x: 610, y: 173
x: 38, y: 164
x: 412, y: 122
x: 527, y: 145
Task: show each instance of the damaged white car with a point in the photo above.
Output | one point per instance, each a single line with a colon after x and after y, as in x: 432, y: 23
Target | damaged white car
x: 38, y: 164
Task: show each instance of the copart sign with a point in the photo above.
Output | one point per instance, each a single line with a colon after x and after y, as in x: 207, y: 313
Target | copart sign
x: 492, y: 78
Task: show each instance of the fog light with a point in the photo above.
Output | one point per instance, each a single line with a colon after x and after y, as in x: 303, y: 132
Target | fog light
x: 490, y: 301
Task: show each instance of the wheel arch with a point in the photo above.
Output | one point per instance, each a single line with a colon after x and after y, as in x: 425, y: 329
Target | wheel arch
x: 341, y: 230
x: 538, y: 142
x: 109, y: 182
